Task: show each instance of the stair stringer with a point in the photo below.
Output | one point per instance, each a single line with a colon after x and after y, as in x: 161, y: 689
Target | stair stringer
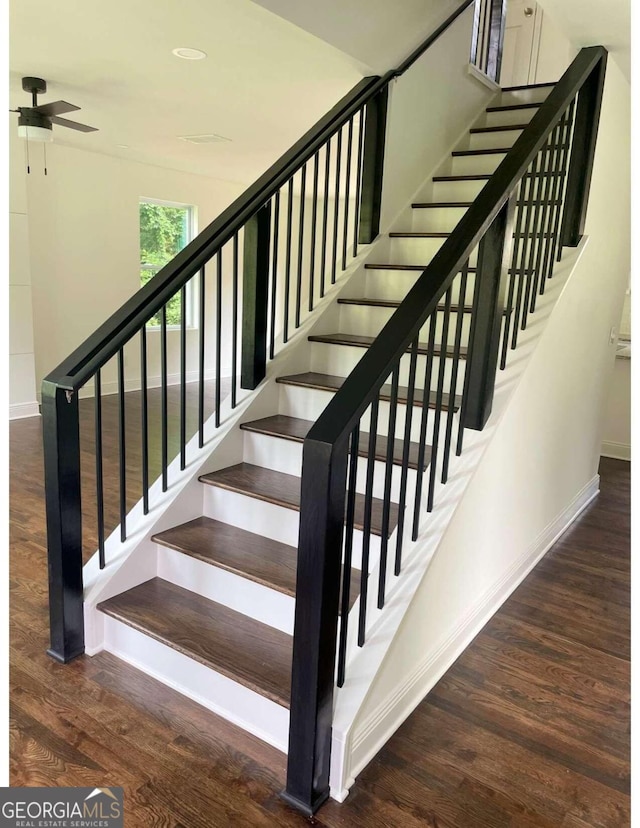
x: 135, y: 560
x: 355, y: 739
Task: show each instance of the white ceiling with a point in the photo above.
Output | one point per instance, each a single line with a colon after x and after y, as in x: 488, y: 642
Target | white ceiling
x: 263, y: 84
x: 596, y: 23
x: 378, y: 33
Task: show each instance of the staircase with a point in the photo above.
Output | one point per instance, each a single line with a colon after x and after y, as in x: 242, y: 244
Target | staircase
x: 240, y: 629
x: 341, y: 440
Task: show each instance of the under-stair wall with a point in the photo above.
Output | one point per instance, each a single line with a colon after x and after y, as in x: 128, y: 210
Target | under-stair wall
x: 541, y: 461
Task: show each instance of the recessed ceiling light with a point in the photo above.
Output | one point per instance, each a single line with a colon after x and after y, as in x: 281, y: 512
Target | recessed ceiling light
x: 189, y: 54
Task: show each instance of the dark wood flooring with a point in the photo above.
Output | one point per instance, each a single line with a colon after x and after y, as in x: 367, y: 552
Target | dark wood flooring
x: 529, y: 728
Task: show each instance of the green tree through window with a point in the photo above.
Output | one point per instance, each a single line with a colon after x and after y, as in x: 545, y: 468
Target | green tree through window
x: 164, y: 231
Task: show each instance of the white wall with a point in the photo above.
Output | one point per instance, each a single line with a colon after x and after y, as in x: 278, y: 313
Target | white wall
x: 430, y: 107
x: 22, y: 380
x: 545, y: 452
x: 84, y: 241
x: 616, y: 434
x: 555, y: 52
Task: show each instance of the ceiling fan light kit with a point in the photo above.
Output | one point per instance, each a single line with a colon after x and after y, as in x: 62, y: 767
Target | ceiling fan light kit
x: 35, y: 122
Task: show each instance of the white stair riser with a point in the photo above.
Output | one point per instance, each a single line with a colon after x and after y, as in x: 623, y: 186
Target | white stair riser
x: 309, y: 404
x: 225, y: 697
x: 418, y: 250
x: 395, y: 284
x: 475, y: 164
x: 240, y: 594
x: 502, y: 138
x: 436, y: 219
x: 528, y: 95
x: 369, y: 321
x: 272, y: 453
x: 268, y: 519
x: 457, y: 190
x: 342, y: 359
x: 510, y: 116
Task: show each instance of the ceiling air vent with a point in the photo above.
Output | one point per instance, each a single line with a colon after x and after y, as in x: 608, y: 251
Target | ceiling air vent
x: 203, y: 139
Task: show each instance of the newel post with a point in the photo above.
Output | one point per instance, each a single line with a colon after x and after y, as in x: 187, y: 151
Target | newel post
x: 61, y: 443
x: 255, y: 291
x: 322, y: 506
x: 375, y: 127
x: 583, y: 149
x: 494, y: 253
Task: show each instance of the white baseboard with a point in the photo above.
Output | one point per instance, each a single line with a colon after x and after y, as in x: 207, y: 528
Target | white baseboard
x: 383, y: 722
x: 21, y: 410
x: 618, y: 451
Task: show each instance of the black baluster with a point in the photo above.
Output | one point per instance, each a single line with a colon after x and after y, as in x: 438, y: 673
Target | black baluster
x: 366, y: 530
x: 547, y: 214
x: 347, y: 193
x: 144, y: 418
x: 406, y: 447
x: 234, y: 324
x: 531, y: 179
x: 534, y: 238
x: 556, y: 247
x: 183, y: 377
x: 348, y: 553
x: 314, y: 219
x: 325, y: 216
x: 462, y: 297
x: 356, y: 221
x: 336, y: 209
x: 422, y: 443
x: 123, y: 448
x: 439, y: 396
x: 274, y: 273
x: 388, y: 477
x: 218, y: 334
x: 164, y: 397
x: 97, y: 391
x: 303, y: 182
x: 201, y: 373
x: 287, y: 263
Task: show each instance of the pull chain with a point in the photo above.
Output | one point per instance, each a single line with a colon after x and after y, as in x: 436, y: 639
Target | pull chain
x: 27, y: 146
x: 44, y: 146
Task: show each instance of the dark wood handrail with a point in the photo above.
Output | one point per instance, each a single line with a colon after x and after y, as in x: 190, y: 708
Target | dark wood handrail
x: 362, y: 385
x: 81, y: 365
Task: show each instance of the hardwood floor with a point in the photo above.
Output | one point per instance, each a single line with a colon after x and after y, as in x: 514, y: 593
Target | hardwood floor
x: 530, y: 727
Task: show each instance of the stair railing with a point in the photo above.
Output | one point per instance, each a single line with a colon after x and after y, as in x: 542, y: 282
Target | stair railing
x: 271, y: 255
x: 533, y: 205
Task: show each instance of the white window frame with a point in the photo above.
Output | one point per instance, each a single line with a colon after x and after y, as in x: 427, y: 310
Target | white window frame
x: 192, y: 286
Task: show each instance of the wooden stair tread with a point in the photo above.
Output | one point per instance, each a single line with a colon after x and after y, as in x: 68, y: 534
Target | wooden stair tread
x: 296, y: 429
x: 262, y: 560
x: 330, y: 382
x: 503, y: 128
x: 359, y: 341
x: 528, y: 86
x: 420, y: 234
x: 395, y: 303
x: 284, y: 490
x: 488, y: 151
x: 509, y: 107
x: 245, y: 650
x: 479, y: 177
x: 419, y: 205
x: 422, y: 267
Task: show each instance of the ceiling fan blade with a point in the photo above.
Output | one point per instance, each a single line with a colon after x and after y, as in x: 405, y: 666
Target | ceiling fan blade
x: 72, y: 124
x: 55, y: 108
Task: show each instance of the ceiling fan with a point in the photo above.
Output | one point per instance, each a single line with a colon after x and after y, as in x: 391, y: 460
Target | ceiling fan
x: 35, y: 122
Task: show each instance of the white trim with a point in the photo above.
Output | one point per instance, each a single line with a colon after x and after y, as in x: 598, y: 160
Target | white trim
x: 484, y: 79
x: 618, y: 451
x: 19, y: 411
x: 383, y: 722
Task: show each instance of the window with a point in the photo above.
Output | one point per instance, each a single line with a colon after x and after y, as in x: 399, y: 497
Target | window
x: 165, y: 229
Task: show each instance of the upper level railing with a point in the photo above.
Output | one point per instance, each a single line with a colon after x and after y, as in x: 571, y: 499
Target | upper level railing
x: 533, y: 205
x: 255, y: 272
